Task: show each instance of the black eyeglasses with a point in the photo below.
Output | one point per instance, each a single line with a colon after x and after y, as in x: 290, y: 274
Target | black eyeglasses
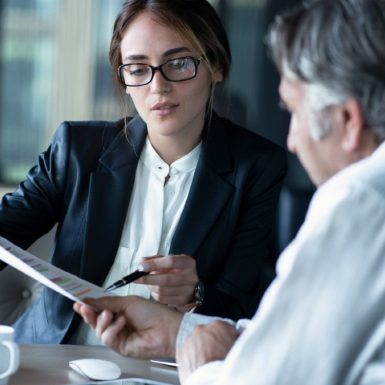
x: 174, y: 70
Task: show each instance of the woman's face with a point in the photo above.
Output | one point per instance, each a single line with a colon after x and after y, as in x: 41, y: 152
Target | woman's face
x: 170, y: 109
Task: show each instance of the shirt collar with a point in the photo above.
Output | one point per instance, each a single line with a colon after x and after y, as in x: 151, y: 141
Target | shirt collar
x: 156, y: 164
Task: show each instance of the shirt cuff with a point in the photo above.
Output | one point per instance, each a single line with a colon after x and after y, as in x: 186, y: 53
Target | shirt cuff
x: 190, y: 320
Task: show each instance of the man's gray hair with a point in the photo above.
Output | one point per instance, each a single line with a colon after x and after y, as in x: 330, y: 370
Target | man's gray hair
x: 340, y: 46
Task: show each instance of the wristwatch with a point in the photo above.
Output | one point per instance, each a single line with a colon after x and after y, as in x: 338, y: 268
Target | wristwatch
x: 199, y: 293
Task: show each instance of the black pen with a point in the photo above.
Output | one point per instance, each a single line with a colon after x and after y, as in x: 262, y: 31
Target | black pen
x: 127, y: 279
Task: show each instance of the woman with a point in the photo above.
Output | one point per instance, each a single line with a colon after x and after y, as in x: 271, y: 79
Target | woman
x: 187, y: 195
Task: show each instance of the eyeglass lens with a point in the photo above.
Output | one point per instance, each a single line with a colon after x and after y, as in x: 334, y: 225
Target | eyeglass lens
x: 175, y: 70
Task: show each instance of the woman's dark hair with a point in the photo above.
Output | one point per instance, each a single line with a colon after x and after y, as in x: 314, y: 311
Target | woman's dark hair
x: 195, y: 20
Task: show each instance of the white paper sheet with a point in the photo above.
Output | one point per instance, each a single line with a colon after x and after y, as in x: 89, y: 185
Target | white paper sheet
x: 57, y: 279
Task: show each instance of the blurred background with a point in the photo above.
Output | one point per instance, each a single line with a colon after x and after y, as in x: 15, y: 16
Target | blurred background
x: 54, y: 67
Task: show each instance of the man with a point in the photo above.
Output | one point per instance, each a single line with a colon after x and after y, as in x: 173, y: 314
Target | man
x: 322, y: 321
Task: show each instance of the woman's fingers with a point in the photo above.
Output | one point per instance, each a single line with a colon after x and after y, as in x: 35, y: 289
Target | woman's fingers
x: 172, y: 280
x: 176, y: 296
x: 176, y: 278
x: 171, y: 261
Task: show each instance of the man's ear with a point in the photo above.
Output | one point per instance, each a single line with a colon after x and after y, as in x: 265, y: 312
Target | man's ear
x: 353, y: 122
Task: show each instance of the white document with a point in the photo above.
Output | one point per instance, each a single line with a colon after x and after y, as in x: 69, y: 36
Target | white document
x: 57, y: 279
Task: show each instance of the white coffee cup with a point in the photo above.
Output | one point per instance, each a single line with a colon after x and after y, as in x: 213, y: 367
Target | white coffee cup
x: 9, y: 353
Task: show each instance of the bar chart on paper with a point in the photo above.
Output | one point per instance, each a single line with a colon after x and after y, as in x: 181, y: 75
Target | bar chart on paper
x: 67, y: 284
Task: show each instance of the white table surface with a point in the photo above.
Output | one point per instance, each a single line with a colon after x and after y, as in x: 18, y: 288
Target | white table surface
x: 48, y: 365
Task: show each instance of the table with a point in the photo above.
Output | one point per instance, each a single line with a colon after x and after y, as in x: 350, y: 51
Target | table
x: 48, y: 365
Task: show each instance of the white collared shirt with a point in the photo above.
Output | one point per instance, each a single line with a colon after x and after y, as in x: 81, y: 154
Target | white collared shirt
x: 152, y: 217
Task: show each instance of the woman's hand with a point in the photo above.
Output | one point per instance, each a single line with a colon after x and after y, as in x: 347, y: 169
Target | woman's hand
x: 133, y: 326
x: 172, y: 280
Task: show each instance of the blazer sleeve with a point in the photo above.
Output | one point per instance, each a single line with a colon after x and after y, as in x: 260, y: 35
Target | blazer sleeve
x: 247, y: 266
x: 34, y: 207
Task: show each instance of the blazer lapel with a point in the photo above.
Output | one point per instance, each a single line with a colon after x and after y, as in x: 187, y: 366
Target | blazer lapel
x: 210, y: 190
x: 109, y: 197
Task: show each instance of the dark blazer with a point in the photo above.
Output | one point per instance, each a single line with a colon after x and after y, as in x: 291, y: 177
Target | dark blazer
x: 83, y: 182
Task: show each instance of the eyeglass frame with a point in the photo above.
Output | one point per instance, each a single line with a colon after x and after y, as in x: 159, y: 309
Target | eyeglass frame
x: 196, y: 62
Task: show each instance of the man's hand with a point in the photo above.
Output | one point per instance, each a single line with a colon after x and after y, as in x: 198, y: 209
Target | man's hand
x: 172, y: 280
x: 133, y: 326
x: 207, y: 343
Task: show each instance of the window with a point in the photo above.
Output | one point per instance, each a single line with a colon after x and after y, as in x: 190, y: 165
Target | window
x: 54, y: 67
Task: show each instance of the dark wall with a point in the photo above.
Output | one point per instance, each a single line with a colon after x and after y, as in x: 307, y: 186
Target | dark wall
x: 251, y: 98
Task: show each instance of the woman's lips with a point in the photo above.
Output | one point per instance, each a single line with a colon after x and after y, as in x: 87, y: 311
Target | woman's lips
x: 163, y: 109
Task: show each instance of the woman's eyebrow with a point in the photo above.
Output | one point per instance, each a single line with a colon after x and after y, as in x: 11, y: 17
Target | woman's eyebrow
x: 134, y: 57
x: 167, y: 53
x: 173, y: 51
